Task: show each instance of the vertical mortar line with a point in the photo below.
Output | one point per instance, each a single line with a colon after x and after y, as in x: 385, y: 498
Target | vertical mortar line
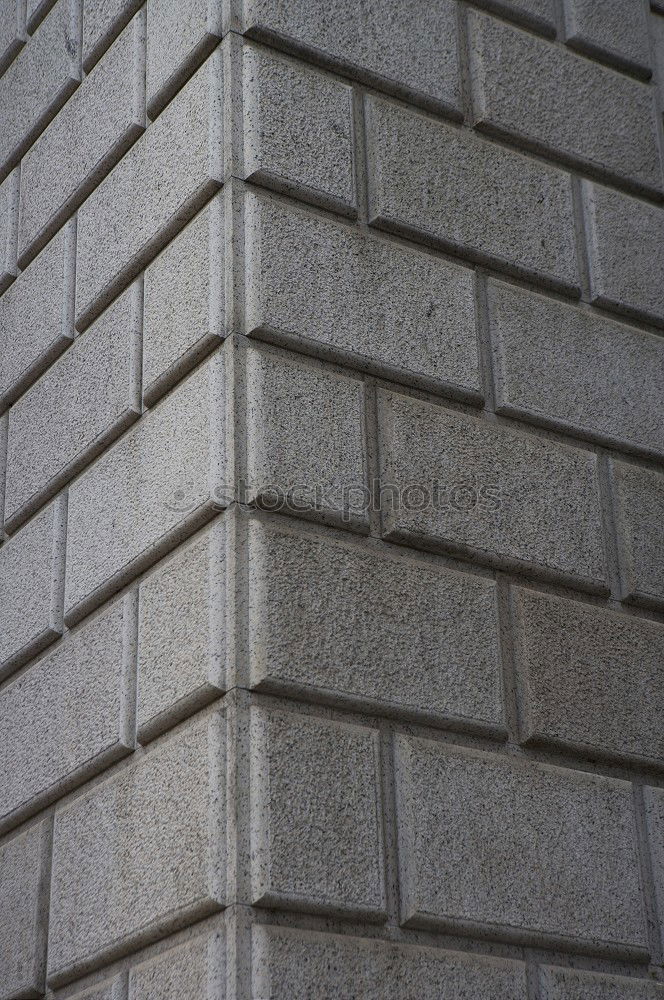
x: 581, y: 236
x: 484, y: 345
x: 130, y: 613
x: 559, y: 18
x: 389, y: 821
x: 656, y: 80
x: 136, y: 343
x: 609, y: 524
x: 4, y: 444
x: 46, y: 887
x: 465, y: 74
x: 372, y: 470
x: 511, y: 689
x: 360, y: 165
x: 653, y: 918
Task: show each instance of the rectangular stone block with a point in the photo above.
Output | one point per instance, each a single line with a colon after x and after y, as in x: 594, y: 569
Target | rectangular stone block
x: 111, y: 989
x: 568, y: 984
x: 578, y: 110
x: 612, y: 30
x: 37, y: 316
x: 31, y: 586
x: 402, y: 633
x: 383, y: 306
x: 151, y: 194
x: 440, y: 183
x: 592, y: 679
x: 624, y: 247
x: 538, y: 14
x: 182, y: 633
x: 103, y: 20
x: 24, y: 875
x: 195, y: 970
x: 639, y: 510
x: 297, y: 130
x: 517, y: 850
x: 13, y: 34
x: 419, y: 58
x: 297, y: 464
x: 130, y: 865
x: 656, y: 27
x: 180, y: 36
x: 37, y: 11
x: 39, y: 81
x: 69, y: 715
x: 654, y: 806
x: 184, y: 308
x: 81, y: 403
x: 561, y: 366
x: 488, y: 492
x: 295, y: 965
x: 151, y: 489
x: 316, y: 833
x: 9, y: 194
x: 92, y: 132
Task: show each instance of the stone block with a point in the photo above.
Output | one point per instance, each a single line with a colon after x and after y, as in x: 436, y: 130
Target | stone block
x: 180, y: 36
x: 194, y: 971
x: 639, y: 499
x: 24, y: 874
x: 9, y: 195
x: 568, y: 984
x: 611, y: 30
x: 103, y: 20
x: 13, y: 34
x: 654, y: 807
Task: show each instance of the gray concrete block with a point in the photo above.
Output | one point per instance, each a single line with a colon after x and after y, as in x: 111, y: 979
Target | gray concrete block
x: 37, y: 316
x: 103, y: 20
x: 163, y: 180
x: 297, y: 129
x: 624, y: 247
x: 654, y: 807
x: 184, y: 304
x: 296, y: 965
x: 194, y: 971
x: 79, y: 405
x: 130, y: 864
x: 413, y: 55
x: 489, y: 492
x: 110, y: 989
x: 9, y: 195
x: 557, y: 101
x: 68, y: 716
x: 516, y: 849
x: 13, y: 34
x: 92, y: 132
x: 24, y: 873
x: 182, y: 633
x: 538, y: 14
x: 152, y: 488
x: 39, y: 81
x: 180, y: 36
x: 305, y: 466
x: 397, y: 632
x: 382, y: 305
x: 568, y: 984
x: 612, y: 29
x: 565, y: 367
x: 31, y: 585
x: 639, y: 498
x: 467, y: 194
x: 592, y: 679
x: 316, y: 834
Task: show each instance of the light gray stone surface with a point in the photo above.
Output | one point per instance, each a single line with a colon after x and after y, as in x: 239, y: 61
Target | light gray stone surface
x: 24, y: 866
x: 130, y: 864
x: 639, y: 497
x: 316, y: 836
x: 625, y: 239
x: 182, y: 632
x: 612, y: 29
x: 394, y: 631
x: 103, y: 20
x: 538, y: 14
x: 568, y: 984
x: 381, y: 304
x: 111, y: 989
x: 290, y: 457
x: 79, y: 405
x: 92, y: 132
x: 654, y: 807
x: 561, y: 366
x: 488, y: 492
x: 296, y: 965
x: 558, y: 101
x: 31, y: 586
x: 372, y: 38
x: 466, y: 193
x: 591, y: 678
x: 183, y: 316
x: 68, y: 716
x: 162, y: 181
x: 9, y: 196
x: 192, y: 971
x: 13, y: 34
x: 149, y: 490
x: 522, y: 850
x: 297, y: 129
x: 179, y: 37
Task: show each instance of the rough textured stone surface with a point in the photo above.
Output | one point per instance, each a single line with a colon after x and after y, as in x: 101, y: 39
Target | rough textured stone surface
x: 315, y: 822
x: 591, y: 678
x: 539, y: 14
x: 577, y: 109
x: 297, y: 129
x: 24, y: 866
x: 112, y: 989
x: 371, y: 38
x: 574, y: 369
x: 522, y: 849
x: 129, y: 863
x: 103, y: 20
x: 13, y: 33
x: 179, y: 37
x: 654, y: 806
x: 640, y: 515
x: 469, y: 194
x: 194, y: 971
x: 611, y: 29
x: 402, y: 633
x: 9, y: 195
x: 161, y: 182
x: 182, y: 633
x: 295, y: 965
x: 567, y: 984
x: 379, y: 303
x: 480, y: 489
x: 83, y: 401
